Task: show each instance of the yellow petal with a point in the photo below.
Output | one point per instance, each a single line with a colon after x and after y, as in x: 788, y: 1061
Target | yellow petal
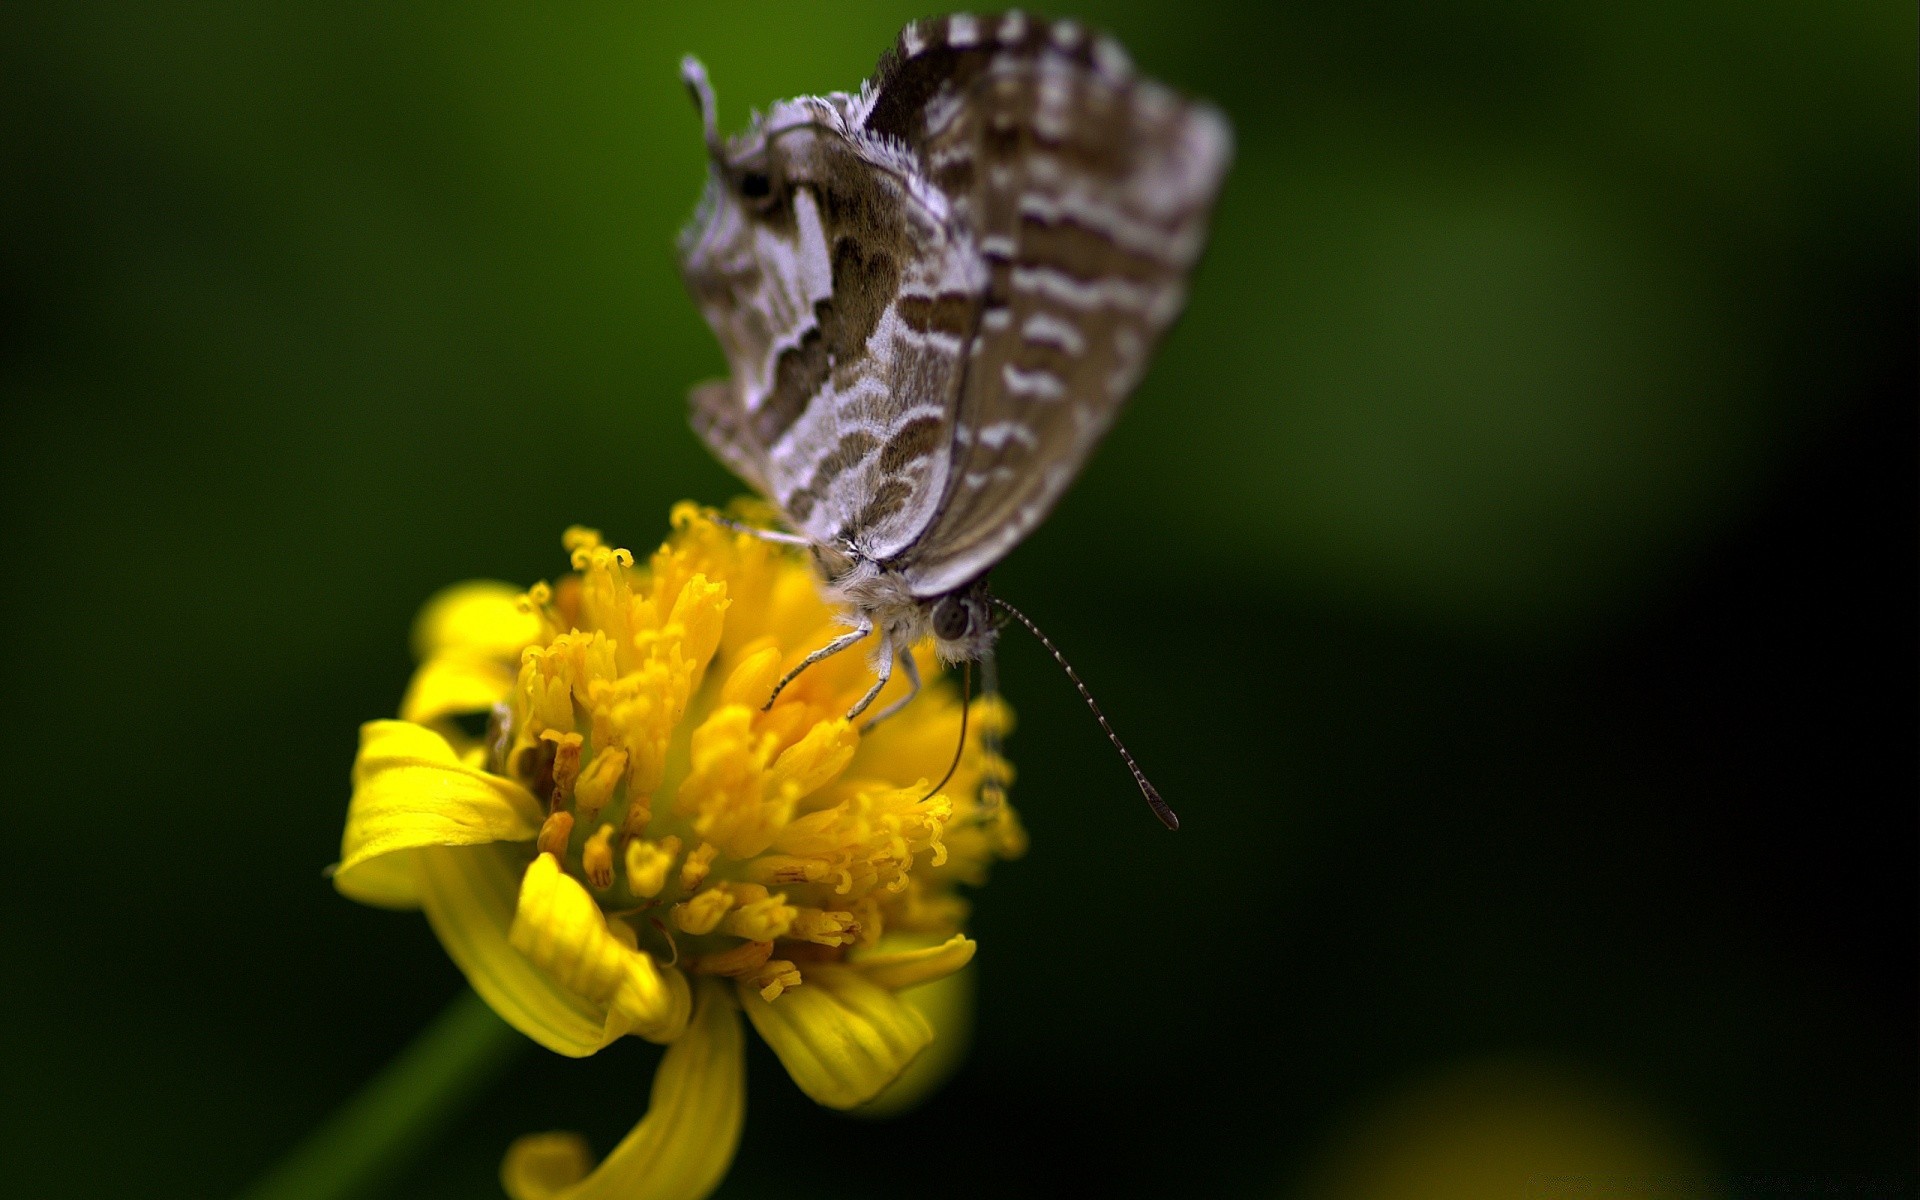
x: 562, y: 931
x: 469, y: 896
x: 841, y: 1037
x: 481, y: 619
x: 410, y: 791
x: 894, y: 969
x: 448, y: 684
x: 680, y: 1150
x: 389, y: 881
x: 542, y: 1165
x: 947, y: 1005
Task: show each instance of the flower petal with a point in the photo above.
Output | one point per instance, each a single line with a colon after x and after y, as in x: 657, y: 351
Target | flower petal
x: 481, y: 619
x: 905, y: 967
x: 947, y: 1005
x: 388, y: 881
x: 842, y: 1037
x: 409, y: 791
x: 683, y: 1146
x: 469, y: 894
x: 448, y: 684
x: 543, y: 1165
x: 561, y: 930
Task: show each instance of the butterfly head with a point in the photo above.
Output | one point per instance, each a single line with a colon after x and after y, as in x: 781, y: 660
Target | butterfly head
x: 962, y: 623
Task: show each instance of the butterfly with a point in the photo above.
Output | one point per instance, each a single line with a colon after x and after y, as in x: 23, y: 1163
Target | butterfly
x: 933, y: 296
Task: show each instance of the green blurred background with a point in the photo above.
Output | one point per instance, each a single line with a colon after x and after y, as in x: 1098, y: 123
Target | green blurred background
x: 1507, y: 570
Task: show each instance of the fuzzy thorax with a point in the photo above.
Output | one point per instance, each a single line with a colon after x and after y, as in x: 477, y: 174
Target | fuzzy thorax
x: 958, y: 622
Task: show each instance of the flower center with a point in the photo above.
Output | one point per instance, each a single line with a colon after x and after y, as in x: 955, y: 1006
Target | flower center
x: 717, y: 836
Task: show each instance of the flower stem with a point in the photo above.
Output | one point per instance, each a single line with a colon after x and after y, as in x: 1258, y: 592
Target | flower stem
x: 374, y: 1135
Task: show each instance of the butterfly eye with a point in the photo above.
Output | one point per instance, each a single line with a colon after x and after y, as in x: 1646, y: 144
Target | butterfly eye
x: 951, y: 620
x: 756, y: 188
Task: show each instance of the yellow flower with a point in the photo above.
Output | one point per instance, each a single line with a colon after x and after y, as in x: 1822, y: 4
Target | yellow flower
x: 633, y: 847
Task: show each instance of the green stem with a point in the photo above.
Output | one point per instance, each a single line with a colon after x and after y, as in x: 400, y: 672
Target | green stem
x: 369, y: 1139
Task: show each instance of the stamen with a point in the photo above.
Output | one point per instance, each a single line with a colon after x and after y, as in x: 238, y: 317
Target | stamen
x: 775, y: 977
x: 825, y: 928
x: 743, y: 959
x: 555, y: 832
x: 639, y: 815
x: 760, y: 919
x: 596, y: 858
x: 597, y: 781
x: 702, y: 912
x: 693, y: 872
x: 648, y: 864
x: 566, y: 763
x: 785, y: 868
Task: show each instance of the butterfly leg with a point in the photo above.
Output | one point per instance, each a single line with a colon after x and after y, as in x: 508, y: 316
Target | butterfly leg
x: 765, y: 535
x: 992, y: 791
x: 832, y: 648
x: 882, y: 671
x: 912, y: 669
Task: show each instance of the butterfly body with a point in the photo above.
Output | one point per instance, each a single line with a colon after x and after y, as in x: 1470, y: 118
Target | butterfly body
x: 935, y: 293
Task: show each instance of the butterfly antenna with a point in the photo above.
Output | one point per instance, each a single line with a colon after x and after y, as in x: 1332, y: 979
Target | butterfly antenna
x: 694, y: 76
x: 966, y: 702
x: 1147, y: 789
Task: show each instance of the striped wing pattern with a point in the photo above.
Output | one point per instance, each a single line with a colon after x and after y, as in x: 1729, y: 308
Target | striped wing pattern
x: 815, y: 277
x: 935, y: 295
x: 719, y: 418
x: 1087, y: 190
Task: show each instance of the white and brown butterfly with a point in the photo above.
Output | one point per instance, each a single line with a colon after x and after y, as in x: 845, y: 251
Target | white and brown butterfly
x: 934, y: 295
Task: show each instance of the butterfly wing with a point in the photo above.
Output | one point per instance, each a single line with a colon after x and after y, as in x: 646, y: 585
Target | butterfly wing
x: 1086, y: 191
x: 843, y: 296
x: 719, y: 418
